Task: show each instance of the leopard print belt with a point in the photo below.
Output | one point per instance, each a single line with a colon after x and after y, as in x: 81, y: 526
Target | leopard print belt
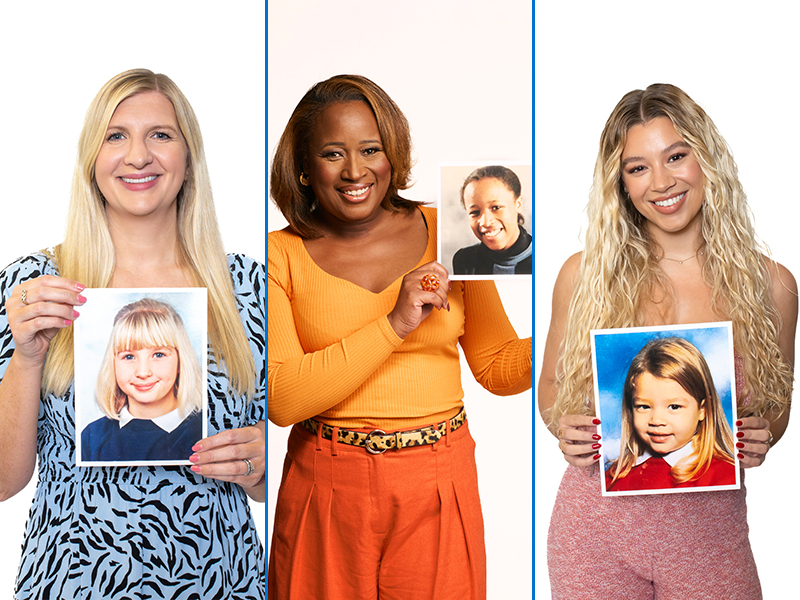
x: 378, y: 441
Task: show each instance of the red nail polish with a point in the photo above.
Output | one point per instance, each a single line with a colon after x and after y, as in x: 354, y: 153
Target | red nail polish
x: 740, y: 456
x: 740, y: 434
x: 595, y: 446
x: 596, y: 421
x: 595, y: 436
x: 595, y: 457
x: 738, y: 423
x: 739, y: 444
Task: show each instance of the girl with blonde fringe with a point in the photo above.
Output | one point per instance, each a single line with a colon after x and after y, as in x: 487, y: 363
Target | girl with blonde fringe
x: 149, y: 387
x: 669, y: 241
x: 141, y: 215
x: 674, y: 431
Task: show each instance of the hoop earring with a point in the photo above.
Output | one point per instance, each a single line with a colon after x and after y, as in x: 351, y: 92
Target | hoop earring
x: 303, y: 179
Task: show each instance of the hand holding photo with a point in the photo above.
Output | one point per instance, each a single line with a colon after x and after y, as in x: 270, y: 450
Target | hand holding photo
x: 149, y: 383
x: 673, y: 423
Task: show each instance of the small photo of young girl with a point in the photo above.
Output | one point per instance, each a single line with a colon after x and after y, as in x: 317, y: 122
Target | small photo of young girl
x: 674, y: 432
x: 149, y: 387
x: 487, y: 204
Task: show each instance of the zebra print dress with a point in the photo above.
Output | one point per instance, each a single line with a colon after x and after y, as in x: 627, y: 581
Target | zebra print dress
x: 140, y: 532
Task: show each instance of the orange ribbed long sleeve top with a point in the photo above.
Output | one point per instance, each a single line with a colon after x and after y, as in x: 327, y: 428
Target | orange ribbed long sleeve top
x: 333, y: 355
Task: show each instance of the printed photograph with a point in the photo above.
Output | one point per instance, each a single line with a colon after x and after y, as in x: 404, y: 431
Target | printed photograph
x: 664, y: 396
x: 140, y: 373
x: 485, y: 220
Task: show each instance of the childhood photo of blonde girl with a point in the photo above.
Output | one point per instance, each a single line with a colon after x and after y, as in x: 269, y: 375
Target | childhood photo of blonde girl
x: 673, y: 422
x: 140, y: 393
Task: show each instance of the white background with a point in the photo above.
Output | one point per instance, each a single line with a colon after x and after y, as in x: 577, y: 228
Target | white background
x: 739, y: 62
x: 461, y: 73
x: 55, y: 57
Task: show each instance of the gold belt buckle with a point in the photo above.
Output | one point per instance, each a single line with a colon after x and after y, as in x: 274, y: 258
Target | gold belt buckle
x: 369, y: 448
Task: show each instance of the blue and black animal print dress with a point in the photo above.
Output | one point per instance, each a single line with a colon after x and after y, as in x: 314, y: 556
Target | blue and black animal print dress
x: 140, y: 532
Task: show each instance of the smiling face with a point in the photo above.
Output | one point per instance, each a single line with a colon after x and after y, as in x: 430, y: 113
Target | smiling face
x: 143, y: 161
x: 662, y: 176
x: 347, y: 166
x: 665, y: 416
x: 147, y: 377
x: 492, y: 211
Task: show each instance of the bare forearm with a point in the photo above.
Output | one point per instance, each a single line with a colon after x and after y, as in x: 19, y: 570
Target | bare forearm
x: 19, y: 413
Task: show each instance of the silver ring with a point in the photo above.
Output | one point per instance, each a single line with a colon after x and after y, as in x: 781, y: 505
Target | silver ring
x: 24, y: 297
x: 250, y: 468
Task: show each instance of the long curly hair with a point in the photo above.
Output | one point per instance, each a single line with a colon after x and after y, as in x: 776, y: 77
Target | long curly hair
x: 619, y: 271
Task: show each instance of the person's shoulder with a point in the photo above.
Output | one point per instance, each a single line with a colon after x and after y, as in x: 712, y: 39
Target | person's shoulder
x: 465, y: 260
x: 26, y: 268
x: 241, y: 263
x: 783, y: 286
x: 567, y: 278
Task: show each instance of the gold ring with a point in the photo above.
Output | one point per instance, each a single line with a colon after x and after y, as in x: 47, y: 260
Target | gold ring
x: 561, y: 446
x: 24, y: 297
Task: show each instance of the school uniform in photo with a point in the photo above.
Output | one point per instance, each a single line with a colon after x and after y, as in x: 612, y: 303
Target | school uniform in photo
x: 167, y: 437
x: 652, y: 472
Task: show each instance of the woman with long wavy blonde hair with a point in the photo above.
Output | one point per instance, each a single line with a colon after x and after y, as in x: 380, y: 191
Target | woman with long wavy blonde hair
x: 669, y: 240
x: 141, y: 215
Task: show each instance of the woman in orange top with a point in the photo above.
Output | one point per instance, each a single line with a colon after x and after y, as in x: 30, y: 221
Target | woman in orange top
x: 379, y: 494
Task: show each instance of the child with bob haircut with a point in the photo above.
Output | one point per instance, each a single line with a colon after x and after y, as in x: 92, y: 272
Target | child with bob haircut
x: 149, y: 388
x: 674, y: 431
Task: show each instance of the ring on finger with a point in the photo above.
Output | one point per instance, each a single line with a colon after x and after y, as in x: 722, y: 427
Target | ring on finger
x: 561, y: 446
x: 24, y: 297
x: 250, y: 468
x: 430, y: 282
x: 769, y: 441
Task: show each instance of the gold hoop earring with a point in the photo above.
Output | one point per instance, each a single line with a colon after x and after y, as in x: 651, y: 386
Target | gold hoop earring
x: 303, y: 179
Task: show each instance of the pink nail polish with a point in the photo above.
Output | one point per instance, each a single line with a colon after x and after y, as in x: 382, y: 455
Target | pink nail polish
x: 80, y: 287
x: 194, y: 458
x: 596, y: 421
x: 196, y: 469
x: 67, y: 322
x: 75, y: 314
x: 740, y: 434
x: 81, y: 299
x: 197, y: 447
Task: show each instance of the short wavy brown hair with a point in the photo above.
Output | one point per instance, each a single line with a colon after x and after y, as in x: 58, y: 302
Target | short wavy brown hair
x: 297, y: 202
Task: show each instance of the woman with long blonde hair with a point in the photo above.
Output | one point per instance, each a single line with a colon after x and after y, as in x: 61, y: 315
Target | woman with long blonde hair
x: 669, y: 241
x: 141, y: 215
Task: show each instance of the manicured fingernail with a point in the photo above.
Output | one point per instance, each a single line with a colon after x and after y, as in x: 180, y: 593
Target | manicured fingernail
x: 194, y: 458
x: 740, y: 444
x: 75, y: 313
x: 596, y: 421
x: 595, y: 436
x: 738, y: 423
x: 740, y: 434
x: 67, y: 322
x: 80, y: 287
x: 196, y: 469
x: 197, y: 447
x: 595, y: 446
x: 740, y: 456
x: 595, y: 457
x: 81, y: 299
